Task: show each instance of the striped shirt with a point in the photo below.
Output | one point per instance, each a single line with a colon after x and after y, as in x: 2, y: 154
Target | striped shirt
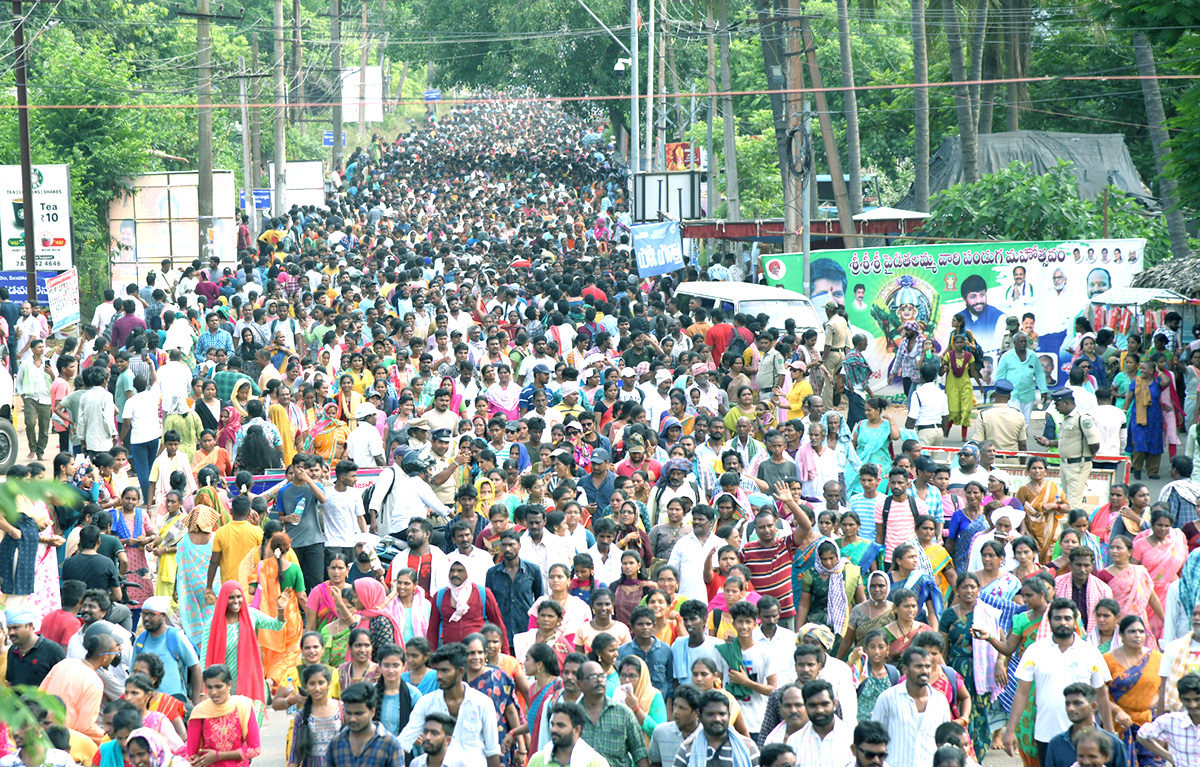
x: 866, y: 509
x: 1181, y: 736
x: 910, y: 732
x: 770, y: 570
x: 901, y: 524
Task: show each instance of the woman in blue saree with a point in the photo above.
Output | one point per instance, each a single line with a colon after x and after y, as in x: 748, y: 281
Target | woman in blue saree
x: 858, y: 550
x: 967, y: 523
x: 907, y: 574
x: 872, y: 438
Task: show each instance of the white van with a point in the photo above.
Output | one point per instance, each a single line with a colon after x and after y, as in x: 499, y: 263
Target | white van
x: 778, y: 304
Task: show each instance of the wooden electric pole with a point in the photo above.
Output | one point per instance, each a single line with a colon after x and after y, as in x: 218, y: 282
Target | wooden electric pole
x: 255, y: 113
x: 280, y: 114
x: 849, y: 239
x: 204, y: 185
x: 335, y: 39
x: 22, y: 64
x: 362, y: 79
x: 298, y: 66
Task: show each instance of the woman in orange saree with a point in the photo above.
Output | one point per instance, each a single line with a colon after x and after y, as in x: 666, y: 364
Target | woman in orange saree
x: 1134, y: 687
x: 277, y: 576
x: 327, y: 437
x: 1163, y: 550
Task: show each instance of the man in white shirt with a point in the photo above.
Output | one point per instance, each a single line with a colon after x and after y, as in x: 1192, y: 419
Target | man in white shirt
x: 174, y: 379
x: 477, y: 561
x: 342, y: 513
x: 912, y: 711
x: 689, y: 553
x: 658, y: 401
x: 541, y: 547
x: 105, y: 312
x: 475, y: 723
x: 606, y: 557
x: 780, y: 642
x: 364, y: 446
x: 1110, y: 422
x: 1084, y: 399
x: 403, y: 492
x: 826, y: 738
x: 928, y: 408
x: 1053, y: 663
x: 439, y: 747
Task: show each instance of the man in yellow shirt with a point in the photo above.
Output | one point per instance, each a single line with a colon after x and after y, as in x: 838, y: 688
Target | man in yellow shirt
x: 231, y: 543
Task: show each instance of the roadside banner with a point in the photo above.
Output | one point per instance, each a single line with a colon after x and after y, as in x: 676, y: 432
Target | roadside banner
x: 1045, y: 285
x: 62, y: 293
x: 659, y: 248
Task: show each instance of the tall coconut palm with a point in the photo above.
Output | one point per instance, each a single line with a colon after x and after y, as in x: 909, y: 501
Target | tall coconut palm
x: 967, y: 136
x: 1156, y: 117
x: 850, y: 106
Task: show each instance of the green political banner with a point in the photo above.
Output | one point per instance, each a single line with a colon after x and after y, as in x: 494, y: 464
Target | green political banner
x: 1046, y: 285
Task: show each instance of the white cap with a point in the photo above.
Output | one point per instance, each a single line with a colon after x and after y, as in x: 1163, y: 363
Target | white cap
x: 365, y: 410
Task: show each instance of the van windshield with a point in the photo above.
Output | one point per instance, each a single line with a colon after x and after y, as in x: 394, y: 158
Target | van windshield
x: 778, y: 311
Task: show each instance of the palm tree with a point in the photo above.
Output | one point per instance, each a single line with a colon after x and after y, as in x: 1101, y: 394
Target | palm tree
x: 1156, y: 117
x: 967, y: 135
x: 850, y: 106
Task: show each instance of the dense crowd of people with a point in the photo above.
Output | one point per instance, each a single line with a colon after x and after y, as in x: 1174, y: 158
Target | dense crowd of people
x: 433, y: 473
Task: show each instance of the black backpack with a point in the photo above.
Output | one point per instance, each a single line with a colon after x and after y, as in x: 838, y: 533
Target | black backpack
x: 887, y: 507
x: 737, y: 344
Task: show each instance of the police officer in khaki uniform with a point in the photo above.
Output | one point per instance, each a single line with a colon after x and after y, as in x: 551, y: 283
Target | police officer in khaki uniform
x: 837, y: 343
x: 1004, y: 426
x: 443, y: 474
x: 1078, y: 440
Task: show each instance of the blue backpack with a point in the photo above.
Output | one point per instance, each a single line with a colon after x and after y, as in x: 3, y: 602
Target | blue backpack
x: 173, y: 639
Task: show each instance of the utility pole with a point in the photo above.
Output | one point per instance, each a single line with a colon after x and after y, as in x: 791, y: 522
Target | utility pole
x: 661, y: 154
x: 711, y: 178
x: 247, y: 178
x: 806, y: 197
x: 335, y: 40
x: 298, y: 65
x: 22, y: 64
x: 635, y: 159
x: 732, y: 196
x: 650, y: 91
x: 204, y: 189
x: 255, y: 116
x: 790, y: 111
x: 849, y: 239
x: 362, y: 79
x: 280, y: 113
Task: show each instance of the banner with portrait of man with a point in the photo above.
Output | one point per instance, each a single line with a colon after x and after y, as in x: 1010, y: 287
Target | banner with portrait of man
x: 1045, y: 285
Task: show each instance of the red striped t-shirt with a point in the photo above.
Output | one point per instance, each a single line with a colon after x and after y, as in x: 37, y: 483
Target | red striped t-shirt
x: 770, y: 570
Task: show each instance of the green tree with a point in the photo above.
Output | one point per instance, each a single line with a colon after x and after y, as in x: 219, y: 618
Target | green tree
x: 1017, y: 204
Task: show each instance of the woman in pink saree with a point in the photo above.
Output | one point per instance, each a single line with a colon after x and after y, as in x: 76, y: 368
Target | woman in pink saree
x: 1162, y: 550
x: 1131, y: 584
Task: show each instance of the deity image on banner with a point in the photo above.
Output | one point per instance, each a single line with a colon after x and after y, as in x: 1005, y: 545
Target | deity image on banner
x: 904, y: 299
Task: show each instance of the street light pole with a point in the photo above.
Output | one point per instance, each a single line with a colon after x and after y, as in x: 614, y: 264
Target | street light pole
x: 635, y: 160
x: 26, y: 159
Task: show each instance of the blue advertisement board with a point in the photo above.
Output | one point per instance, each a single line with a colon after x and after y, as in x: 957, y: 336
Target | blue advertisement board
x: 658, y: 247
x: 16, y: 284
